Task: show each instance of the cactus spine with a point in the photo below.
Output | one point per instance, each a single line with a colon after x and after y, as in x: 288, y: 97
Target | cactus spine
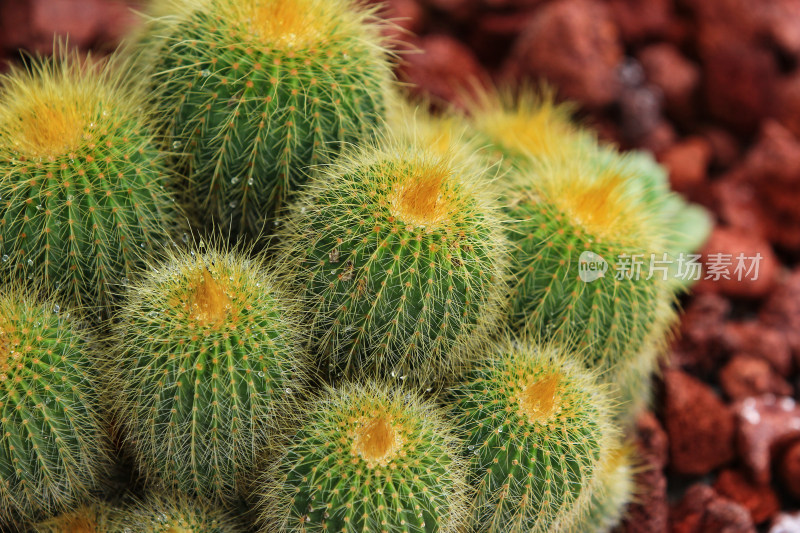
x: 368, y: 458
x: 255, y: 91
x: 401, y: 262
x: 208, y: 356
x: 537, y: 429
x: 82, y: 196
x: 615, y: 490
x: 53, y: 452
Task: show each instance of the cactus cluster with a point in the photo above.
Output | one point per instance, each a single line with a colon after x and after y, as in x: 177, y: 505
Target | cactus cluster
x: 400, y: 261
x: 450, y: 327
x: 83, y: 198
x: 252, y: 92
x: 53, y: 450
x: 208, y: 361
x: 368, y: 458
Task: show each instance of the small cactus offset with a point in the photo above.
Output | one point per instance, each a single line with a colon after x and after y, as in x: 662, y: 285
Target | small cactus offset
x: 368, y: 458
x: 537, y: 431
x: 173, y: 513
x: 400, y: 260
x: 53, y: 451
x: 82, y: 195
x: 254, y: 91
x: 208, y: 357
x: 571, y: 217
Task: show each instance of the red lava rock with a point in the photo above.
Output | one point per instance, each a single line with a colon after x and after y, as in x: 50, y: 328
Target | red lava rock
x: 699, y: 425
x: 687, y: 162
x: 702, y: 510
x: 574, y: 44
x: 737, y: 205
x: 790, y: 470
x: 407, y: 18
x: 725, y: 56
x: 746, y: 376
x: 760, y: 500
x: 725, y: 148
x: 15, y: 23
x: 446, y: 69
x: 701, y: 339
x: 638, y: 20
x: 492, y: 34
x: 649, y: 511
x: 772, y: 166
x: 77, y: 19
x: 737, y: 264
x: 754, y: 339
x: 762, y: 424
x: 456, y: 9
x: 658, y: 140
x: 782, y: 311
x: 677, y: 77
x: 786, y: 523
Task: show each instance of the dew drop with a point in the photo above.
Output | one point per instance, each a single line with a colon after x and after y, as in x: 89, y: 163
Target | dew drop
x: 232, y: 205
x: 250, y: 182
x: 30, y: 262
x: 177, y: 144
x: 56, y: 309
x: 5, y: 258
x: 234, y: 180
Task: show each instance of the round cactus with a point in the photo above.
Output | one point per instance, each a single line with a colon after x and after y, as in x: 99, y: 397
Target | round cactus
x: 401, y: 261
x: 615, y: 490
x: 82, y: 197
x: 586, y: 261
x: 53, y: 451
x: 173, y: 513
x: 254, y: 91
x: 208, y: 355
x: 537, y: 431
x: 97, y: 518
x: 368, y: 458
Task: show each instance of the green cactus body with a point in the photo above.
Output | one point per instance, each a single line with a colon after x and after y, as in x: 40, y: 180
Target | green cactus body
x: 82, y: 196
x: 53, y: 452
x: 401, y: 262
x: 255, y: 91
x: 571, y: 217
x: 537, y: 430
x: 173, y: 513
x: 615, y: 490
x: 208, y: 357
x: 96, y: 518
x: 368, y: 458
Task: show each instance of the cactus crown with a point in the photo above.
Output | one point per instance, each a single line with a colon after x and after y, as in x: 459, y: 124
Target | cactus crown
x: 599, y: 202
x: 528, y: 124
x: 54, y: 107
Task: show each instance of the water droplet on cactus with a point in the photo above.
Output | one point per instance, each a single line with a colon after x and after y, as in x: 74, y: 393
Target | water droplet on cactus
x: 177, y: 145
x: 5, y: 258
x: 56, y: 308
x: 30, y: 262
x: 232, y: 205
x: 234, y: 180
x: 250, y: 182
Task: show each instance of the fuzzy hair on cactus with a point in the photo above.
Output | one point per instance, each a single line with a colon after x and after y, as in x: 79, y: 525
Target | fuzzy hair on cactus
x: 516, y: 128
x: 255, y: 91
x: 95, y: 518
x: 400, y: 258
x: 53, y: 450
x: 208, y: 363
x: 368, y: 458
x: 82, y: 184
x: 537, y: 431
x: 582, y: 256
x: 615, y: 490
x: 173, y: 513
